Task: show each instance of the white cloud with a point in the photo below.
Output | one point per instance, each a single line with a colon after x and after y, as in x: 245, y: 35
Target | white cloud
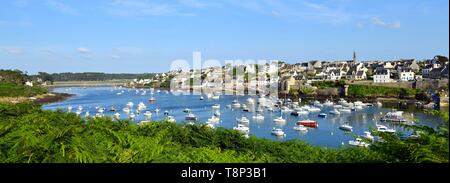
x: 83, y: 51
x: 61, y: 7
x: 13, y: 50
x: 380, y: 23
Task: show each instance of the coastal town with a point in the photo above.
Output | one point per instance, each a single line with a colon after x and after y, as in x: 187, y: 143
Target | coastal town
x: 430, y: 75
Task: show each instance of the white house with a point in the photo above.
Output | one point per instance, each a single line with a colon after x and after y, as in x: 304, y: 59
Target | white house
x: 382, y: 76
x: 405, y: 74
x: 335, y: 75
x: 29, y: 83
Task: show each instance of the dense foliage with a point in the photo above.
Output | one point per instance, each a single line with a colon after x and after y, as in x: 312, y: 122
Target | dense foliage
x: 382, y: 91
x: 30, y: 134
x: 13, y: 76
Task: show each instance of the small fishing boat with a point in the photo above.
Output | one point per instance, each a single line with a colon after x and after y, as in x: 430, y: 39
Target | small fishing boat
x: 170, y: 119
x: 217, y: 113
x: 214, y: 119
x: 258, y: 117
x: 358, y: 142
x: 166, y: 113
x: 152, y: 99
x: 130, y: 104
x: 243, y: 119
x: 322, y: 115
x: 345, y: 110
x: 300, y: 128
x: 346, y: 127
x: 382, y: 128
x: 368, y: 135
x: 186, y: 110
x: 201, y: 98
x: 279, y: 120
x: 216, y: 106
x: 191, y: 117
x: 113, y: 109
x: 126, y: 109
x: 241, y: 128
x: 148, y: 114
x: 132, y: 115
x: 245, y: 108
x: 309, y: 123
x: 278, y: 132
x: 335, y: 112
x: 117, y: 115
x: 328, y: 103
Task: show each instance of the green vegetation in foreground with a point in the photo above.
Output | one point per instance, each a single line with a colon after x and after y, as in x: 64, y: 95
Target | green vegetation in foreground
x: 365, y: 90
x: 29, y: 134
x: 14, y: 90
x: 329, y: 84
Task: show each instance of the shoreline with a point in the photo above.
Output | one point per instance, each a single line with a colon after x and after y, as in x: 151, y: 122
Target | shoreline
x: 52, y: 97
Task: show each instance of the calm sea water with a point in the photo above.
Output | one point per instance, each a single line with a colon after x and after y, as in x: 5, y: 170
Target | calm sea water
x: 327, y: 134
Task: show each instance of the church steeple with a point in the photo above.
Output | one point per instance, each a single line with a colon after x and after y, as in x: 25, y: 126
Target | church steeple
x: 354, y: 57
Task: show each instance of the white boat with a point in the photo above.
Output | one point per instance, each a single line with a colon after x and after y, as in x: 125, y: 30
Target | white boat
x: 300, y: 128
x: 335, y: 112
x: 359, y: 107
x: 148, y: 114
x: 217, y: 113
x: 279, y: 120
x: 215, y: 97
x: 130, y: 104
x: 201, y: 98
x: 337, y: 106
x: 157, y: 110
x: 250, y: 101
x: 126, y: 109
x: 132, y: 115
x: 101, y: 110
x: 191, y: 117
x: 328, y: 103
x: 98, y: 115
x: 345, y: 110
x: 243, y: 119
x: 286, y: 109
x: 235, y: 104
x: 80, y: 108
x: 216, y: 106
x: 117, y: 115
x: 368, y: 135
x: 346, y: 127
x: 186, y: 110
x: 87, y: 114
x: 396, y: 116
x: 358, y: 142
x: 313, y: 109
x: 258, y: 117
x: 141, y: 106
x: 214, y: 119
x: 241, y: 128
x: 170, y: 119
x: 69, y: 108
x: 379, y: 104
x: 382, y: 128
x: 278, y: 132
x: 78, y: 113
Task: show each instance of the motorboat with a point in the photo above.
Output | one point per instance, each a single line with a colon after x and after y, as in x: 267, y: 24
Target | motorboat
x: 157, y: 110
x: 217, y: 113
x: 216, y: 106
x: 214, y: 119
x: 132, y: 115
x: 148, y: 114
x: 130, y: 104
x: 191, y: 117
x: 279, y: 120
x: 286, y: 109
x: 335, y: 112
x: 86, y: 115
x: 322, y: 115
x: 337, y: 106
x: 359, y: 107
x: 243, y: 119
x: 258, y: 117
x: 126, y: 109
x: 379, y: 104
x: 141, y: 106
x: 215, y: 97
x: 313, y: 109
x: 345, y: 110
x: 308, y: 123
x: 117, y: 115
x: 382, y: 128
x: 152, y: 99
x: 300, y: 128
x: 186, y: 110
x: 358, y: 142
x: 250, y: 101
x: 328, y: 103
x: 235, y: 104
x: 80, y: 108
x: 113, y: 109
x: 201, y: 98
x: 69, y: 108
x: 245, y: 108
x: 170, y: 119
x: 78, y: 112
x: 278, y: 132
x: 241, y: 128
x: 396, y: 116
x: 346, y: 127
x: 101, y: 110
x: 368, y: 135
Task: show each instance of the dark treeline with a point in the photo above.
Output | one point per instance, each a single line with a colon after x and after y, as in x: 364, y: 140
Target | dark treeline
x: 89, y: 76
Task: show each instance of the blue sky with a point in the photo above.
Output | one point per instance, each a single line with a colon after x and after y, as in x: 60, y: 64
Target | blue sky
x: 139, y: 36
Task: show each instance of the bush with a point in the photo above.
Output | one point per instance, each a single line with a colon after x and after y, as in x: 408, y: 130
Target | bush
x: 14, y: 90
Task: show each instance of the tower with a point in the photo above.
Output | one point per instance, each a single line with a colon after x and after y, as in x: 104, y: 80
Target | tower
x: 354, y: 57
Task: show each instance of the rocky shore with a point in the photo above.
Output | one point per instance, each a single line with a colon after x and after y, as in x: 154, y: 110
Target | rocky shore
x: 51, y: 98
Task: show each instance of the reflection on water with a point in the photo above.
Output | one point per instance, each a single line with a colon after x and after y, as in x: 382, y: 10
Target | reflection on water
x: 327, y: 134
